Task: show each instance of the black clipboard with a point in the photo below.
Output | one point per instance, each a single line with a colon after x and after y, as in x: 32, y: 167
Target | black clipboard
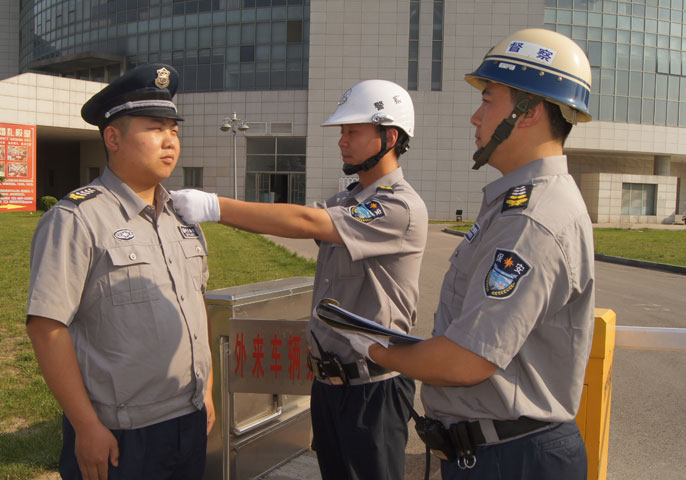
x: 337, y: 317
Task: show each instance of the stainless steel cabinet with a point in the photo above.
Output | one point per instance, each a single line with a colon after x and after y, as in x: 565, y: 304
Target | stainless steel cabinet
x: 261, y: 382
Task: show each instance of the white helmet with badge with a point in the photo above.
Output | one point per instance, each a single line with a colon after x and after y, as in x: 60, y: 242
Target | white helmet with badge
x: 381, y: 103
x: 542, y: 63
x: 375, y: 101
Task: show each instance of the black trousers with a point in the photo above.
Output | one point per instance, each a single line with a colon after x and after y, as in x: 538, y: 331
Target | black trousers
x: 557, y: 453
x: 170, y: 450
x: 360, y: 432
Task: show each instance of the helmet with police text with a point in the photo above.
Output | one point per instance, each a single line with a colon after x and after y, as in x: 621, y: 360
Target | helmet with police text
x: 543, y: 63
x: 379, y: 102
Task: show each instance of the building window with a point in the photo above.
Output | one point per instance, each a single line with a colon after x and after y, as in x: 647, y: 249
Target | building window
x: 294, y: 31
x: 192, y: 177
x: 275, y: 170
x: 637, y: 55
x: 437, y: 48
x: 215, y: 45
x: 413, y: 49
x: 638, y: 198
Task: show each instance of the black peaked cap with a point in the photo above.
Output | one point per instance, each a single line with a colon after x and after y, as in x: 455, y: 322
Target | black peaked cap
x: 146, y: 90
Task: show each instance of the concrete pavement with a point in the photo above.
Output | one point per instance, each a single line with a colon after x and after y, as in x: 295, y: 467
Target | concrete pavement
x: 648, y: 417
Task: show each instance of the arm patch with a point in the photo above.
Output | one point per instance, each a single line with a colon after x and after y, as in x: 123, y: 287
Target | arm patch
x: 368, y: 211
x: 504, y: 275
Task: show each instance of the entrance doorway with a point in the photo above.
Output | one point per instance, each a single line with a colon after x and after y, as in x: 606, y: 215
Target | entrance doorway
x: 275, y: 187
x: 275, y: 170
x: 57, y: 168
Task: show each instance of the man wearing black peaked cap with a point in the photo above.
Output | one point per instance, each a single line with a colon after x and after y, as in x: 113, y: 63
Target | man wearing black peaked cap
x: 116, y: 311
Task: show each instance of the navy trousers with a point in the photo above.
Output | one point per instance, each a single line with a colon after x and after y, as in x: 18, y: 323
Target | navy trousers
x: 171, y: 450
x: 360, y: 431
x: 557, y: 453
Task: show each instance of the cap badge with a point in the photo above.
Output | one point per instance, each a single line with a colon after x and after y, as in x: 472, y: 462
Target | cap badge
x: 162, y: 80
x: 344, y: 97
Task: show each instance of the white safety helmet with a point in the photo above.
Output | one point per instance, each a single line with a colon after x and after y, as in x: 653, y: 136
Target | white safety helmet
x: 544, y: 63
x: 379, y: 102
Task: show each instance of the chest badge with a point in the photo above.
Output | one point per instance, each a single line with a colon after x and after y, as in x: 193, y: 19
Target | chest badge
x: 473, y: 232
x: 188, y: 231
x: 123, y: 234
x: 517, y: 197
x: 367, y: 212
x: 503, y: 276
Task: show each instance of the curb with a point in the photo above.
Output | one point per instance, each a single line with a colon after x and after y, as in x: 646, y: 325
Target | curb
x: 664, y: 267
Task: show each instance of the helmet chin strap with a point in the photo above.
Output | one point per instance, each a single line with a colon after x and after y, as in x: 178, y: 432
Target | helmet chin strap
x: 522, y: 104
x: 371, y: 162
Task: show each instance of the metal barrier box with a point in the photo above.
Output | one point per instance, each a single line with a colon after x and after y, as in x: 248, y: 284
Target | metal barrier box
x: 261, y: 384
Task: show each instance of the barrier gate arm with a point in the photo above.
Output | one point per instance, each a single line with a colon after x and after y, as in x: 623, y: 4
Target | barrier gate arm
x: 650, y: 338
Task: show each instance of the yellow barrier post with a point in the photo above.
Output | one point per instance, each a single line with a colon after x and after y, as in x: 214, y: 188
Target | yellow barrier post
x: 593, y: 417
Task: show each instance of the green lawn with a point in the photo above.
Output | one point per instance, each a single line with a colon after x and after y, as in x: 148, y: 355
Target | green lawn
x: 30, y: 427
x: 661, y: 246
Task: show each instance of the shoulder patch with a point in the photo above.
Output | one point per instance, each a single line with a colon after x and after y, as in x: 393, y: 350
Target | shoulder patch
x: 502, y: 278
x: 367, y: 212
x: 517, y: 197
x: 83, y: 194
x: 385, y: 188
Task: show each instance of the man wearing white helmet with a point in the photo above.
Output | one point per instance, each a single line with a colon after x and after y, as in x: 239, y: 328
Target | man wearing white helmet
x: 503, y: 373
x: 371, y: 241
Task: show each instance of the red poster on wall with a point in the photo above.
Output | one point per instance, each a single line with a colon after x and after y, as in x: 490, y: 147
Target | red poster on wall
x: 18, y: 166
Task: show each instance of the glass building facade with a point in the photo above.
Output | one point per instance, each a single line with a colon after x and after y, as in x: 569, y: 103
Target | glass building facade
x: 216, y: 45
x: 637, y: 51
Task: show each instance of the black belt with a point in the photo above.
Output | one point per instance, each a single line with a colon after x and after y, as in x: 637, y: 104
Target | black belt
x: 338, y: 373
x: 458, y: 442
x: 506, y: 429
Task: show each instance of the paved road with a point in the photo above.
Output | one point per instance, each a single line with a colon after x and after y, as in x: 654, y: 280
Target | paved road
x: 648, y: 416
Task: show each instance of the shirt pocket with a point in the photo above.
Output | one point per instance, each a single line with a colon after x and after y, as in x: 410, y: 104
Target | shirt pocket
x: 132, y: 277
x: 195, y: 256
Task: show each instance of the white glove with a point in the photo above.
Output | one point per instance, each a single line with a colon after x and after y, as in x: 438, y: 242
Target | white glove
x: 195, y: 206
x: 362, y: 341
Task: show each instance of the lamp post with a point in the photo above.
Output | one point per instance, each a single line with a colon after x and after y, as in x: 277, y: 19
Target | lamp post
x: 234, y: 124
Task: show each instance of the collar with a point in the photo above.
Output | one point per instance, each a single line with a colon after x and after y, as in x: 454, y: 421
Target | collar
x: 133, y: 204
x: 390, y: 178
x: 546, y: 166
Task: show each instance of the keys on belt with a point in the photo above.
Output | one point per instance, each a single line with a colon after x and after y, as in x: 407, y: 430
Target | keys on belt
x: 330, y: 368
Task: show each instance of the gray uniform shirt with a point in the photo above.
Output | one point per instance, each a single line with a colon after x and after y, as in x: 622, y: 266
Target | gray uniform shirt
x: 520, y: 293
x: 375, y: 272
x: 128, y: 282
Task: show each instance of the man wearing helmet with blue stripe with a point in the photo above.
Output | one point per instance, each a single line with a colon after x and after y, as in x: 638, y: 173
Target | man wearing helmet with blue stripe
x: 371, y: 241
x: 503, y: 373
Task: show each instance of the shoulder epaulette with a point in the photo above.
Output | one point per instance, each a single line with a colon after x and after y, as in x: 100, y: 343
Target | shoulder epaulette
x: 82, y: 194
x: 517, y: 197
x: 385, y: 188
